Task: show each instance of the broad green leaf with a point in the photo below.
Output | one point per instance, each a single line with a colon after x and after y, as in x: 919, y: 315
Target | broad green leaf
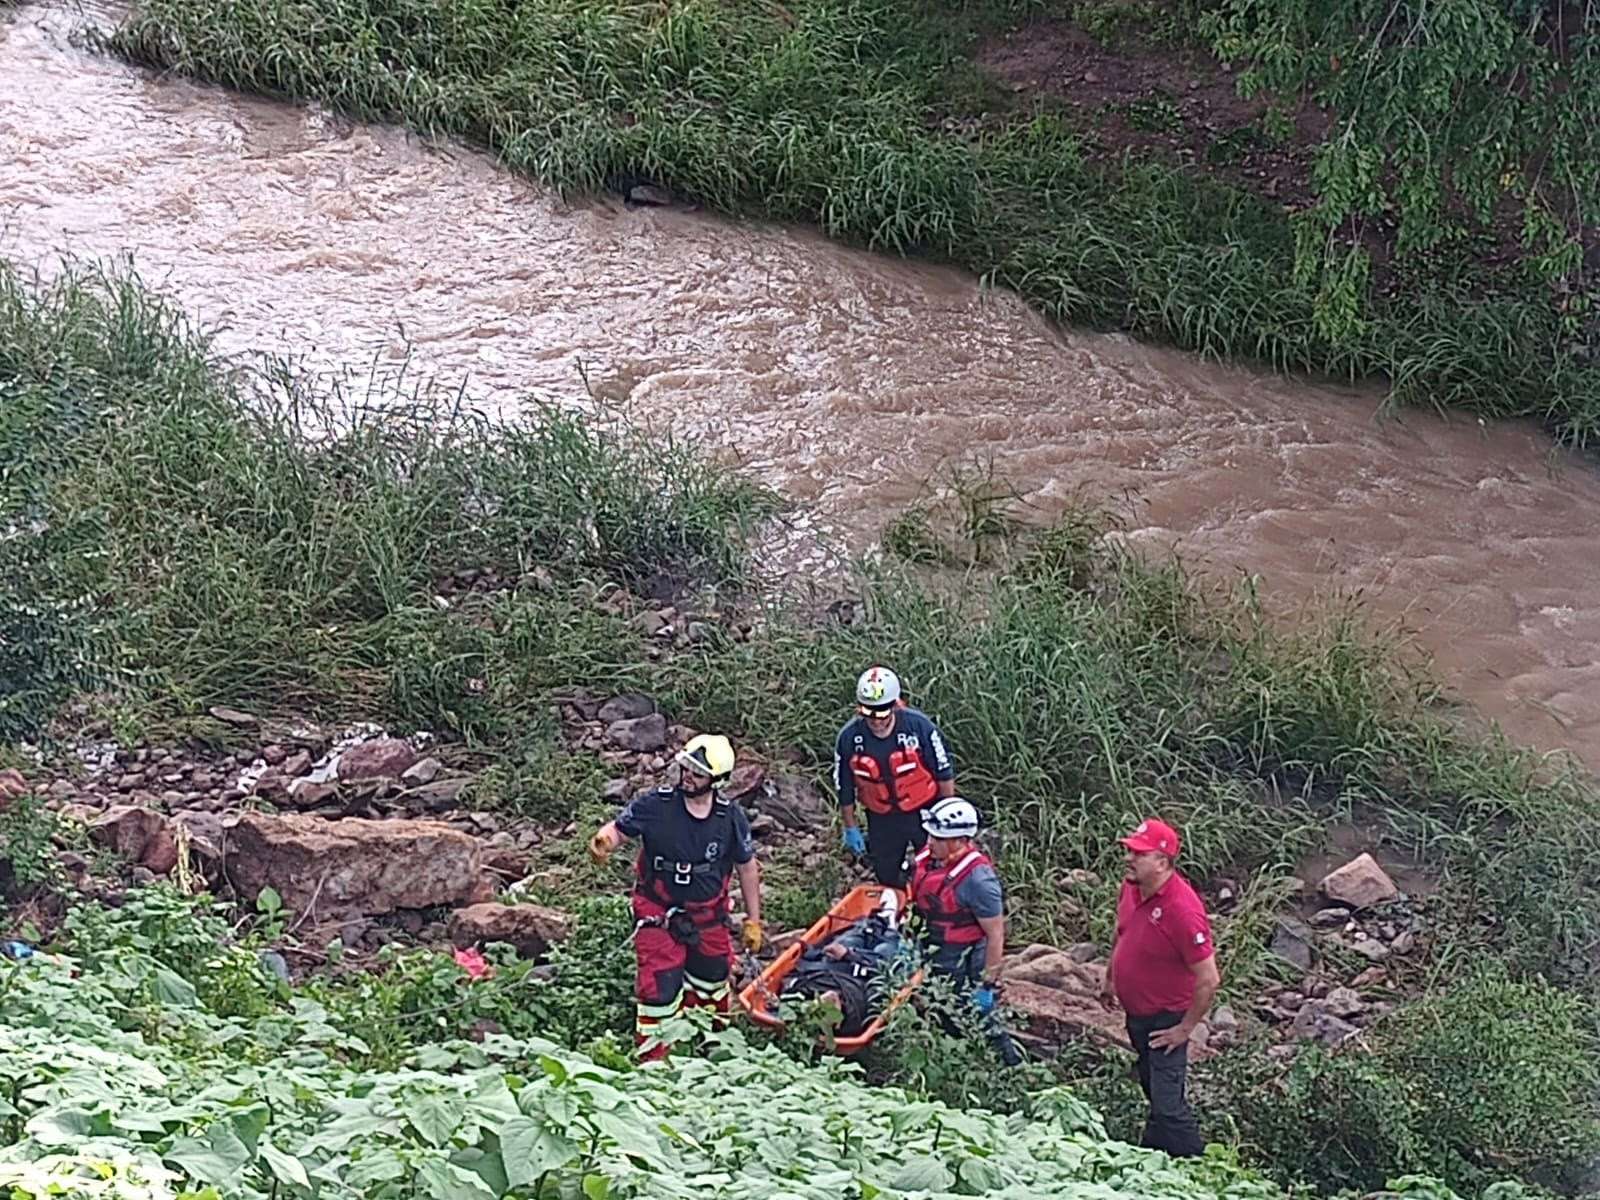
x: 172, y: 989
x: 65, y: 1127
x: 377, y: 1164
x: 286, y: 1167
x: 268, y: 902
x: 487, y: 1166
x: 353, y: 1127
x: 925, y: 1174
x: 216, y: 1158
x: 436, y: 1058
x: 528, y: 1150
x: 441, y: 1181
x: 979, y: 1175
x: 250, y: 1123
x: 434, y: 1115
x: 596, y: 1187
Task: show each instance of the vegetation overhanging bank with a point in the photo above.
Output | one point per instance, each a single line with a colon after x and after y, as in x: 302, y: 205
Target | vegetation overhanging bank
x: 1464, y: 146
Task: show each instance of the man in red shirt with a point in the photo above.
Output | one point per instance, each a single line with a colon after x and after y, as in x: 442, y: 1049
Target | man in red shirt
x: 1164, y: 974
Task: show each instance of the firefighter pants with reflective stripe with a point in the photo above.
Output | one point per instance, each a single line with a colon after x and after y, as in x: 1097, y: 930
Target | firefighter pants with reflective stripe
x: 672, y: 974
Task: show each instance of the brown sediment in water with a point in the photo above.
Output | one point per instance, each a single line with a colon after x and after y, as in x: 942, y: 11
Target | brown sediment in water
x: 842, y: 378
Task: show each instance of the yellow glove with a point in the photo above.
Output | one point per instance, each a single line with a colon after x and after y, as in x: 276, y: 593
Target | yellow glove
x: 600, y: 848
x: 750, y: 935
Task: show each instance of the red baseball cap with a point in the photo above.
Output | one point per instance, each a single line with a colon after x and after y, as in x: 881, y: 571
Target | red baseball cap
x: 1153, y: 835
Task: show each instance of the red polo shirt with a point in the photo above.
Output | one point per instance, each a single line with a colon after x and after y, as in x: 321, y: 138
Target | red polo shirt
x: 1158, y: 940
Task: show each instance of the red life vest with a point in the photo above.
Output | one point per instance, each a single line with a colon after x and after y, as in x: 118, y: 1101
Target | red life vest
x: 933, y: 892
x: 910, y: 784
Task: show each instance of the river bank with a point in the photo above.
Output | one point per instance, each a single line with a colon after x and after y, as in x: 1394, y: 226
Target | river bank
x: 186, y: 548
x: 875, y: 126
x: 854, y: 384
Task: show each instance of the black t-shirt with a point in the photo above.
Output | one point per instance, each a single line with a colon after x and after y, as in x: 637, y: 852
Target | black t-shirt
x: 661, y: 820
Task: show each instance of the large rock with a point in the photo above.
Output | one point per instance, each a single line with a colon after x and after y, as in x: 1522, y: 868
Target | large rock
x: 627, y: 707
x: 1291, y: 941
x: 530, y: 929
x: 745, y: 784
x: 1058, y: 1015
x: 1314, y: 1021
x: 794, y: 802
x: 643, y: 735
x: 1344, y: 1002
x: 1360, y: 883
x: 352, y: 866
x: 232, y: 716
x: 379, y: 758
x: 12, y: 785
x: 204, y: 831
x: 423, y: 772
x: 142, y: 836
x: 1054, y: 968
x: 439, y: 796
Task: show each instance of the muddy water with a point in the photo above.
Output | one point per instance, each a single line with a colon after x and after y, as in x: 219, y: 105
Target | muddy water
x: 844, y: 379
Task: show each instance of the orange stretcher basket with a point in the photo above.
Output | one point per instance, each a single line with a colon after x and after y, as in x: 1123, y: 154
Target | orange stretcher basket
x: 758, y: 995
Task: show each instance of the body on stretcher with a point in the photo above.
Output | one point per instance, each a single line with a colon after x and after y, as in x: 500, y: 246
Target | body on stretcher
x: 760, y: 997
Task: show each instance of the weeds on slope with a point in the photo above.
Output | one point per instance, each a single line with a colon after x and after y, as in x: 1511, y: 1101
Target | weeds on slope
x: 181, y: 536
x: 868, y: 121
x: 1086, y: 688
x: 184, y: 534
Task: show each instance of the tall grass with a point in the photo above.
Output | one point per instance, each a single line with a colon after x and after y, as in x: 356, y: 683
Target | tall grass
x: 831, y: 114
x: 1087, y: 688
x: 185, y: 531
x: 181, y: 532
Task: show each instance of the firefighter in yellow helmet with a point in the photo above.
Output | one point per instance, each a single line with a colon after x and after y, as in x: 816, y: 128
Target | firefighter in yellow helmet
x: 692, y: 842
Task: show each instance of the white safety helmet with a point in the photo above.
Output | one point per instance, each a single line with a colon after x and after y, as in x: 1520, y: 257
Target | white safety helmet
x: 878, y: 687
x: 951, y: 817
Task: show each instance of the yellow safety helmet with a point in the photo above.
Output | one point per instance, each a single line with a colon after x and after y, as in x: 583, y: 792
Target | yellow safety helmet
x: 708, y: 754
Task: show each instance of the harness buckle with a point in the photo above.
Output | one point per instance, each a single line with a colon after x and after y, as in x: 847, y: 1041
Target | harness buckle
x: 683, y: 874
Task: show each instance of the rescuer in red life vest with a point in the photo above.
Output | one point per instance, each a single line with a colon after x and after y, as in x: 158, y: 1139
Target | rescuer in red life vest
x: 692, y: 842
x: 893, y: 759
x: 956, y: 893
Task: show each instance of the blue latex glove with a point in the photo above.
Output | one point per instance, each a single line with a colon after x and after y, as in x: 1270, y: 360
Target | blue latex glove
x: 853, y: 841
x: 984, y: 999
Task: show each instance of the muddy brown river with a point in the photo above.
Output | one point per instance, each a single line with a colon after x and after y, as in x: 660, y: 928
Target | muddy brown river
x: 843, y: 378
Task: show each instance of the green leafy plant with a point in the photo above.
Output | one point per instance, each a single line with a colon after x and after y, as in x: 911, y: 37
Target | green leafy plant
x: 96, y: 1111
x: 1488, y: 1076
x: 27, y: 844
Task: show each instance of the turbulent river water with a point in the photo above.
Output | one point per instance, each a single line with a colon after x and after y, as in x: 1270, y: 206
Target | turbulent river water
x: 843, y: 378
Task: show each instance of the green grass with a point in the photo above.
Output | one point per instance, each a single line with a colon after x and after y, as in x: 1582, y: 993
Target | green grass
x: 1087, y: 688
x: 831, y: 115
x: 191, y: 534
x: 210, y: 541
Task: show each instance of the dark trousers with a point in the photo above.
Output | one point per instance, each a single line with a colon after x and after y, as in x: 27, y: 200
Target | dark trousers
x: 892, y: 838
x: 1162, y: 1073
x: 967, y: 971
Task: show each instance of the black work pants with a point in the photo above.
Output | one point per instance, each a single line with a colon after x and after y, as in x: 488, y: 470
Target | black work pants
x: 892, y: 838
x: 1171, y: 1125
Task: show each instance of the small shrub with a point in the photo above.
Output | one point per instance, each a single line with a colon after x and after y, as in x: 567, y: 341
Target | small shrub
x: 938, y: 1047
x: 1492, y: 1076
x: 592, y: 993
x: 27, y: 845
